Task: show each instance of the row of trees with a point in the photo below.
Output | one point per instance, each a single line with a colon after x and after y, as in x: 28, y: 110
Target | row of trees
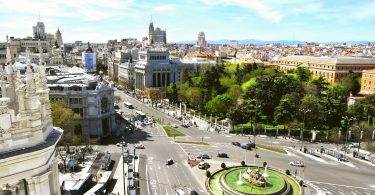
x: 248, y: 93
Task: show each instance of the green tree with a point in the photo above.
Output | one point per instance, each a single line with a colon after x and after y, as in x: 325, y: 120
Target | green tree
x: 287, y: 109
x: 219, y: 105
x: 321, y: 85
x: 303, y: 74
x: 314, y: 118
x: 335, y: 104
x: 172, y: 93
x: 185, y: 75
x: 268, y: 90
x: 194, y: 97
x: 66, y: 119
x: 237, y: 115
x: 234, y: 91
x: 352, y: 83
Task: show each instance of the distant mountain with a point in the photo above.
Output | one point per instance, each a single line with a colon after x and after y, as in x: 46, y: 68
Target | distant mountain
x: 284, y: 42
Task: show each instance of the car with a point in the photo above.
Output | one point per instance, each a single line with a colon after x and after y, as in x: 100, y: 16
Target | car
x: 169, y: 162
x: 174, y: 126
x: 248, y: 146
x: 222, y: 155
x: 120, y: 144
x: 126, y: 152
x: 139, y: 146
x: 180, y: 192
x: 236, y: 143
x: 193, y: 192
x: 342, y: 158
x: 297, y: 163
x: 203, y: 156
x: 203, y: 165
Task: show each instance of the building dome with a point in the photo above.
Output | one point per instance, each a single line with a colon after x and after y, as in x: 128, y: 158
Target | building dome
x: 89, y: 49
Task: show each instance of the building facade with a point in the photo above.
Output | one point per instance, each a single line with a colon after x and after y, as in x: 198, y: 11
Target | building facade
x: 58, y: 38
x: 27, y: 136
x: 201, y: 42
x: 89, y: 96
x: 368, y: 82
x: 156, y: 69
x: 156, y: 36
x: 334, y: 69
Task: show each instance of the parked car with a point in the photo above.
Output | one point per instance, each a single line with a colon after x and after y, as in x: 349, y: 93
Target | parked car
x: 203, y: 156
x: 248, y: 146
x: 342, y: 158
x: 139, y: 146
x: 222, y: 155
x: 203, y: 165
x: 180, y: 192
x: 297, y: 163
x: 169, y: 162
x: 174, y: 126
x: 236, y: 143
x: 120, y: 144
x: 193, y: 192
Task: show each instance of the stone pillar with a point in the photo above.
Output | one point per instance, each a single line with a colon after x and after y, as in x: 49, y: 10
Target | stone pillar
x: 31, y: 186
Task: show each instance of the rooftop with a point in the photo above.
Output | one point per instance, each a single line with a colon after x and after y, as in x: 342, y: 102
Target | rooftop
x: 330, y: 60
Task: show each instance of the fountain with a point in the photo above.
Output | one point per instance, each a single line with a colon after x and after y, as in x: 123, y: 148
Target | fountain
x: 265, y: 174
x: 239, y: 181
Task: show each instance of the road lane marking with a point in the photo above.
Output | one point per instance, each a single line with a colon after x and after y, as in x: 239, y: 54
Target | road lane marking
x: 147, y: 181
x: 333, y: 184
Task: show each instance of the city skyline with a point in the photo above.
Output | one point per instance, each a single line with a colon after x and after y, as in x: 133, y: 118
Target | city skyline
x: 269, y: 20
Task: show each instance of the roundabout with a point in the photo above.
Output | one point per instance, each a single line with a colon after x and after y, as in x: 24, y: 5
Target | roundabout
x: 252, y: 180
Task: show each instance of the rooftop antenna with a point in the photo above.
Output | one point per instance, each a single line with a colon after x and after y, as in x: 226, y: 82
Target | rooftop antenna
x: 39, y: 16
x: 151, y: 19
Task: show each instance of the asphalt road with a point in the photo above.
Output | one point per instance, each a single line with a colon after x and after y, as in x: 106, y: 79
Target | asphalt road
x: 327, y: 174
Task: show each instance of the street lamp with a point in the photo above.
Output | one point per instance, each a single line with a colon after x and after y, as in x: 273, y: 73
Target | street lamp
x: 256, y: 106
x: 348, y: 119
x: 123, y: 169
x: 304, y: 110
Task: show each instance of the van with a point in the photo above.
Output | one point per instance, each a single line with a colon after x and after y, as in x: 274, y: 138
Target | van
x: 180, y: 192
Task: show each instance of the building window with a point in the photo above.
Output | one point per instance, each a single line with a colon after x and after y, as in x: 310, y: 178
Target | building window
x: 75, y: 100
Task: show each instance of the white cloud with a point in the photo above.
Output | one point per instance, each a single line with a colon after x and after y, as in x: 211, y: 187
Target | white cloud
x: 260, y: 7
x: 165, y: 8
x: 86, y: 9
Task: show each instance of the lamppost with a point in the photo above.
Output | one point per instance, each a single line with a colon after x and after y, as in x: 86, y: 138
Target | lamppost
x: 123, y: 169
x: 256, y: 106
x: 304, y: 110
x: 348, y: 119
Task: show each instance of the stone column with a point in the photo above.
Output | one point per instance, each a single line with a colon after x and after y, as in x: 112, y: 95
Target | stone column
x: 31, y: 186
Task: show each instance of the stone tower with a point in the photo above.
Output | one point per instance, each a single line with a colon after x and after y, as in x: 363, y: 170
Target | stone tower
x: 27, y: 137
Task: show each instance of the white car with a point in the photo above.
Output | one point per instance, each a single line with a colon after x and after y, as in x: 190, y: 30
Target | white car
x: 139, y: 146
x: 120, y: 144
x: 203, y: 165
x: 297, y: 163
x: 174, y: 126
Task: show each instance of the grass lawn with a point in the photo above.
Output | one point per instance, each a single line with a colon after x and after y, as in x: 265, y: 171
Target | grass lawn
x: 272, y: 148
x: 275, y: 182
x: 214, y: 183
x: 170, y: 131
x: 195, y: 143
x: 154, y: 119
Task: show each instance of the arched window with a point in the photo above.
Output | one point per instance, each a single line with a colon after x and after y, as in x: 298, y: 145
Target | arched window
x: 104, y: 105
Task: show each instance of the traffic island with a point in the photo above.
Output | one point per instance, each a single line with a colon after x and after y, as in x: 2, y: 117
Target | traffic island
x: 192, y: 143
x: 172, y: 132
x: 251, y: 180
x: 272, y: 149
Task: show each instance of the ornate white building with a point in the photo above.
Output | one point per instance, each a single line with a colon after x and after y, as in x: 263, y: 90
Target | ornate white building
x: 27, y: 137
x: 201, y: 42
x: 156, y: 36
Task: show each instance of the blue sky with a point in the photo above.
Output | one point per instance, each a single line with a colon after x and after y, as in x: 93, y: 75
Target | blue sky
x: 101, y: 20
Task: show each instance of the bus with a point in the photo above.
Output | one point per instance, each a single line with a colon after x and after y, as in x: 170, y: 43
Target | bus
x: 128, y: 105
x: 140, y: 115
x: 77, y: 184
x: 102, y: 184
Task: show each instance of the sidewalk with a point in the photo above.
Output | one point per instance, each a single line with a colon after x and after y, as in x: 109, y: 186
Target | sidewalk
x: 119, y: 187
